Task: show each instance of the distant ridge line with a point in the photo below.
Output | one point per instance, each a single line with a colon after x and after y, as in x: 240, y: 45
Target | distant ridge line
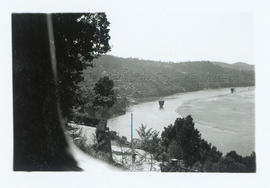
x: 175, y: 62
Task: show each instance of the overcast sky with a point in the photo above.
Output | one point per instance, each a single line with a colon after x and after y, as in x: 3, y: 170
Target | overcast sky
x: 166, y: 34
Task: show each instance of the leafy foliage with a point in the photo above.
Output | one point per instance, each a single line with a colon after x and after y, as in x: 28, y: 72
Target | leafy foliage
x: 186, y: 141
x: 233, y: 162
x: 104, y: 94
x: 150, y: 141
x: 149, y: 138
x: 99, y: 102
x: 79, y: 38
x: 183, y: 142
x: 189, y: 139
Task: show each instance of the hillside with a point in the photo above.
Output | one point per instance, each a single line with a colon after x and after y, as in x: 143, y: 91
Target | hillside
x: 137, y: 78
x: 237, y: 66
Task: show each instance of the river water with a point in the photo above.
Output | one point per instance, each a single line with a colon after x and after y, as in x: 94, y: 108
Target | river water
x: 226, y: 120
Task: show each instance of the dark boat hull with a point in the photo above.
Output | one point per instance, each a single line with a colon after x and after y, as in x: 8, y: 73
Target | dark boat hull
x: 161, y: 103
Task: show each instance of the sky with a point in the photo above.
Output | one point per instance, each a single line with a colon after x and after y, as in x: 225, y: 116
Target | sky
x: 166, y: 34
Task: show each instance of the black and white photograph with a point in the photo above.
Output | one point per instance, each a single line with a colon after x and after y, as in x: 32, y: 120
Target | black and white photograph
x: 132, y: 88
x: 133, y: 113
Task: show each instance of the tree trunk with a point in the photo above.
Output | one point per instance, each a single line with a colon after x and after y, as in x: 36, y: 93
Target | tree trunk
x: 103, y: 141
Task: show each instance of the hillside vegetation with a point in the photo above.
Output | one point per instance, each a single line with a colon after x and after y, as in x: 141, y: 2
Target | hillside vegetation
x: 137, y: 78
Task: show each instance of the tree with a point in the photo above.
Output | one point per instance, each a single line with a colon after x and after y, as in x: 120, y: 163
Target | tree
x: 183, y: 141
x: 228, y: 164
x: 150, y: 141
x: 79, y: 38
x: 233, y: 162
x: 250, y: 162
x: 167, y: 136
x: 103, y: 100
x: 188, y: 138
x: 174, y: 150
x: 104, y: 97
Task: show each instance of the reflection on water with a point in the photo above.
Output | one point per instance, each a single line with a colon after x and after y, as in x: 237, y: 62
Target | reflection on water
x: 224, y: 119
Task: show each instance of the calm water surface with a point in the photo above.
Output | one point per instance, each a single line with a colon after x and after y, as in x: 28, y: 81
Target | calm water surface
x: 224, y: 119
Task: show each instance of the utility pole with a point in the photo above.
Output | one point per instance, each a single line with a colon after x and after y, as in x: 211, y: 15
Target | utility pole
x: 131, y: 138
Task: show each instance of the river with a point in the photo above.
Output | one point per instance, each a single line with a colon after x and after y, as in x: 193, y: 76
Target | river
x: 224, y: 119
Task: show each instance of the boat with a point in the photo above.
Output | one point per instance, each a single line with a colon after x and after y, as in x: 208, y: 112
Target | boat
x: 161, y: 103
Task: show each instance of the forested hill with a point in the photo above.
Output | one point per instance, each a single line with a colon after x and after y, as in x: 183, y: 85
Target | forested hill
x: 237, y: 66
x: 143, y: 78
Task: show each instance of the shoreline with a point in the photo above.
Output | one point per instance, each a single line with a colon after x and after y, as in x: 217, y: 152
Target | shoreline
x: 151, y: 99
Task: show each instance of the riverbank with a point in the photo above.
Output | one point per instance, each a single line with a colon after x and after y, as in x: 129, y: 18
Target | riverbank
x: 230, y: 128
x: 150, y: 99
